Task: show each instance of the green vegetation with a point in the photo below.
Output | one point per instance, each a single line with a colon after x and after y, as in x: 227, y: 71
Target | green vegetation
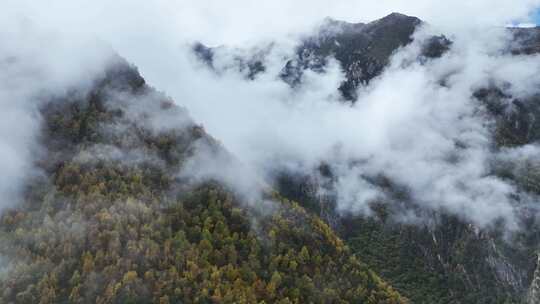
x: 443, y: 261
x: 448, y: 263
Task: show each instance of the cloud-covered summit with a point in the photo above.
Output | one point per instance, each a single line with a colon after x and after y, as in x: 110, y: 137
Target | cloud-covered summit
x: 419, y: 121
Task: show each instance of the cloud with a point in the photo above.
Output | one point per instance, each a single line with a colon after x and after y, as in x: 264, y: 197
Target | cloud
x: 434, y: 139
x: 238, y: 21
x: 522, y: 25
x: 418, y: 124
x: 34, y: 64
x: 210, y: 162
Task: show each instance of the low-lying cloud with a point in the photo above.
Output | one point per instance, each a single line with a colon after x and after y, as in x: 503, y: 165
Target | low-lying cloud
x: 417, y: 124
x: 34, y: 64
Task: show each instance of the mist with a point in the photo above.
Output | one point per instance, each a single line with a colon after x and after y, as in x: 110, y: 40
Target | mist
x: 435, y: 140
x: 29, y: 74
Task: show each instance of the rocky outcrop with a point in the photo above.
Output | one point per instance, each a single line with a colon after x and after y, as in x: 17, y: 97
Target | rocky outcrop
x: 526, y: 42
x: 534, y: 291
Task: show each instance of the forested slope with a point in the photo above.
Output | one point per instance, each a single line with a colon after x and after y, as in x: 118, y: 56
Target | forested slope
x: 113, y: 218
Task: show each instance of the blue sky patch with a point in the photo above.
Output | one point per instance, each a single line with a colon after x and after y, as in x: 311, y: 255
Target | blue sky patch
x: 536, y: 17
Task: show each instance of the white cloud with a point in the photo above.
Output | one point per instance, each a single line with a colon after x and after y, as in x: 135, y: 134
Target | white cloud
x: 522, y: 25
x: 404, y: 125
x: 34, y: 63
x: 432, y: 139
x: 238, y: 21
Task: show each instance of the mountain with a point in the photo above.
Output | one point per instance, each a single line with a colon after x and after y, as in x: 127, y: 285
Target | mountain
x: 527, y: 41
x: 115, y: 216
x: 448, y: 260
x: 363, y: 50
x: 132, y: 201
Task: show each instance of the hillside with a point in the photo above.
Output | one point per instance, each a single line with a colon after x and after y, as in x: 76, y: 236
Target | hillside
x: 115, y: 216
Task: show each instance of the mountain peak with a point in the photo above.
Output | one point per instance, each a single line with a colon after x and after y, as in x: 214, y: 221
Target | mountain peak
x: 397, y: 15
x: 395, y: 18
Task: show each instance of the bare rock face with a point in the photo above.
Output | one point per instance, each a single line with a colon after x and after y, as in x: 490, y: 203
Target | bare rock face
x: 534, y: 291
x: 527, y: 41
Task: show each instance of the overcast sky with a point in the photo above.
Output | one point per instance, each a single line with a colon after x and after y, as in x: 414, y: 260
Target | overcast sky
x: 147, y: 32
x: 237, y: 21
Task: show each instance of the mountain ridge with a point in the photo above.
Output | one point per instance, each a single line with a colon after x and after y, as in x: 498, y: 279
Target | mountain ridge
x: 111, y: 220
